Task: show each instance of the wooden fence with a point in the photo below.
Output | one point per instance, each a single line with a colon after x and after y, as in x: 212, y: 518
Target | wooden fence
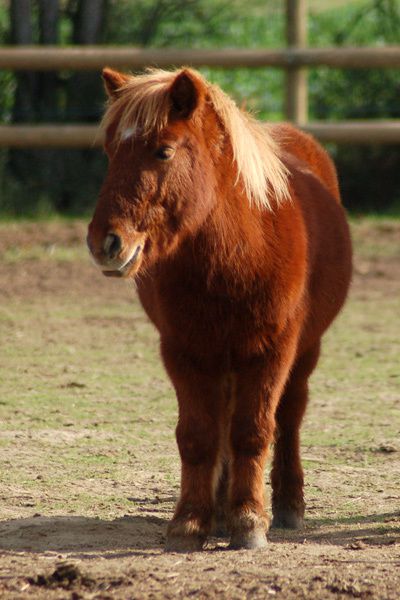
x: 295, y: 59
x: 91, y: 58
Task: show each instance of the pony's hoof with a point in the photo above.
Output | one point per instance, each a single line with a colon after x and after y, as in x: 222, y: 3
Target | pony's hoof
x: 184, y: 543
x: 248, y: 540
x: 220, y: 529
x: 287, y: 519
x: 248, y: 531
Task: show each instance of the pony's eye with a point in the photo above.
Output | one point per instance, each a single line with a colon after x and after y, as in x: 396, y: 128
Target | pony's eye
x: 164, y: 152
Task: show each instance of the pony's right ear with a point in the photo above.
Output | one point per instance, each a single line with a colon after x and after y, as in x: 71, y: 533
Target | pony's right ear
x: 186, y: 93
x: 113, y: 81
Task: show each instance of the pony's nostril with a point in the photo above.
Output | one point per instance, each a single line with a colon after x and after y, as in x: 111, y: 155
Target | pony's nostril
x: 112, y: 245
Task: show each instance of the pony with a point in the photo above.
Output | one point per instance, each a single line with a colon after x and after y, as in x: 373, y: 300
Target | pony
x: 236, y: 237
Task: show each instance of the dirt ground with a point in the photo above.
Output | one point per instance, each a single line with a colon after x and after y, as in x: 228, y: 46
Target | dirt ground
x: 89, y: 466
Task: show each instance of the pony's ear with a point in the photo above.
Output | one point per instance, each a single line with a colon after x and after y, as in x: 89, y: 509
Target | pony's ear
x: 113, y: 81
x: 186, y: 93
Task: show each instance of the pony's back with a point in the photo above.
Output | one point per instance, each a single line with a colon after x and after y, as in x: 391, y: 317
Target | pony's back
x: 304, y: 147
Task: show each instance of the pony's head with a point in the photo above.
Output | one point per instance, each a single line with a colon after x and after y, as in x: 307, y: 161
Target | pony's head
x: 173, y: 141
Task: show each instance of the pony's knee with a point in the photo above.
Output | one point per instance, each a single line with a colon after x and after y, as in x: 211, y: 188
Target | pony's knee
x: 249, y: 440
x: 196, y: 444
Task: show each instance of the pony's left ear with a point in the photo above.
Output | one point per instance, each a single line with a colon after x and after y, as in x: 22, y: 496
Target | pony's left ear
x: 113, y: 81
x: 186, y: 94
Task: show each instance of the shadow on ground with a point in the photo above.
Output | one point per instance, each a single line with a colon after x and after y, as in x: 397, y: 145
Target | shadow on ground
x: 373, y: 529
x: 83, y: 534
x: 143, y: 533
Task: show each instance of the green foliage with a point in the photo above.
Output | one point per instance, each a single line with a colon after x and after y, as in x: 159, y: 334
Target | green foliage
x: 202, y: 23
x: 356, y: 93
x: 370, y: 179
x: 210, y: 24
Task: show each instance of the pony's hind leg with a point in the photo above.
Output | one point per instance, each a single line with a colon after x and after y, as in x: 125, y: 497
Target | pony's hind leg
x: 287, y: 473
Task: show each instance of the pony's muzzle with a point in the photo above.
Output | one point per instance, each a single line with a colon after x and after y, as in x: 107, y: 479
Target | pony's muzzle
x: 129, y: 264
x: 115, y: 256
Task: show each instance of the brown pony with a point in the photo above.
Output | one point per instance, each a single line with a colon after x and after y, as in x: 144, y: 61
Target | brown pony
x: 241, y: 252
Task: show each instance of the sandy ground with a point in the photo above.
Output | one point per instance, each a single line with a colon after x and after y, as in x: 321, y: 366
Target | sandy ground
x: 93, y: 552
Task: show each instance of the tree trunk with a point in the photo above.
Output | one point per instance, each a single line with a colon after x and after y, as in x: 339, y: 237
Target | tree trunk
x: 22, y: 33
x: 48, y: 82
x: 84, y: 103
x: 21, y: 163
x: 49, y: 161
x: 89, y: 21
x: 85, y: 89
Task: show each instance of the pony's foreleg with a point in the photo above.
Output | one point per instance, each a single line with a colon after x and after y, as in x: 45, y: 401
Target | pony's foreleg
x: 287, y: 473
x: 197, y: 435
x: 259, y: 386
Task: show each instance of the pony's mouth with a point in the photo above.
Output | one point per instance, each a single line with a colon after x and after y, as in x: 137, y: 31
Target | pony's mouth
x: 125, y: 269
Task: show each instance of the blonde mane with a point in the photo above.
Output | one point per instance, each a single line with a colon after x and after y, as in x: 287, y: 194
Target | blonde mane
x: 144, y: 105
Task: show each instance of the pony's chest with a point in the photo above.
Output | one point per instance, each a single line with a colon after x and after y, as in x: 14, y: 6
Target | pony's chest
x: 193, y: 315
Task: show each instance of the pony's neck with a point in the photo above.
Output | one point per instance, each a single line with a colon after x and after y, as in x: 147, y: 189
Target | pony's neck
x: 233, y: 239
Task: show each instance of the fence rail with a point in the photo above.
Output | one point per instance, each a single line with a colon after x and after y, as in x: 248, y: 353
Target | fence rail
x: 88, y: 136
x: 90, y: 58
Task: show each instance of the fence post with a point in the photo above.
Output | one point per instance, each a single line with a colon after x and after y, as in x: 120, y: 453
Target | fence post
x: 296, y: 101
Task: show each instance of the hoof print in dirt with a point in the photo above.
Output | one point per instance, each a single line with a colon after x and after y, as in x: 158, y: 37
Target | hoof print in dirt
x: 66, y: 575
